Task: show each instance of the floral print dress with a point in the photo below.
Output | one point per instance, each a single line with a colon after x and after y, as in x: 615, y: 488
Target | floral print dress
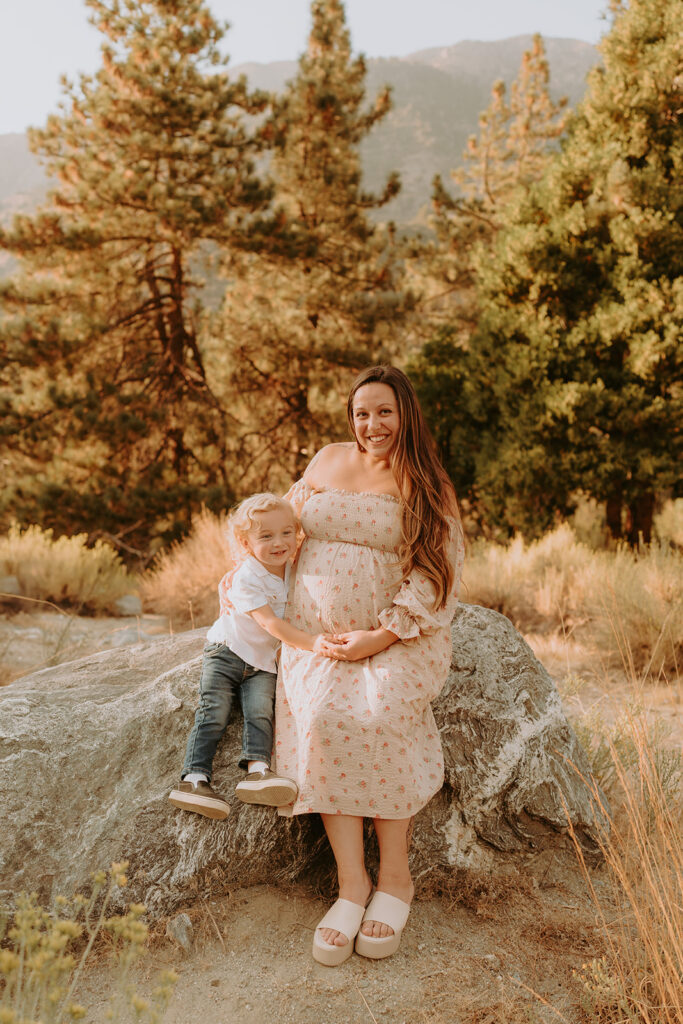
x: 359, y: 737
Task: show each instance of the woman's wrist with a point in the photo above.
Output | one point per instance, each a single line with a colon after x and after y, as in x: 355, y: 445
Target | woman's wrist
x: 383, y: 637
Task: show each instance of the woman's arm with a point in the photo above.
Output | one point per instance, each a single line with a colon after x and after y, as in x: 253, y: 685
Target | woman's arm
x: 282, y: 630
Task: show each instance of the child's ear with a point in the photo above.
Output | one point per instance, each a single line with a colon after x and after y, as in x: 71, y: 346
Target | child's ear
x: 243, y: 542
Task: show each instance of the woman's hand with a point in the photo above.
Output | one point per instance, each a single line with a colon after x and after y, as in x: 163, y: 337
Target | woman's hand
x: 361, y: 643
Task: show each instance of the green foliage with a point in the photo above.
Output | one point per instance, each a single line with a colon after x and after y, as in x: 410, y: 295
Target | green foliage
x: 576, y: 358
x: 44, y: 953
x: 103, y: 379
x: 510, y: 152
x: 300, y: 321
x: 65, y: 571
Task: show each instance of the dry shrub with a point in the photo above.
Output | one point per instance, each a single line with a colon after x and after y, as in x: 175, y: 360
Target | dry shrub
x: 484, y: 894
x: 637, y: 610
x: 629, y: 602
x: 65, y: 571
x: 640, y: 976
x: 44, y: 953
x: 182, y: 583
x: 534, y: 584
x: 668, y: 523
x: 613, y: 749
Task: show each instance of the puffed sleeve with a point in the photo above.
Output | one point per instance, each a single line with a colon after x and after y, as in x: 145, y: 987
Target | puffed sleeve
x: 298, y: 494
x: 412, y: 612
x: 300, y: 491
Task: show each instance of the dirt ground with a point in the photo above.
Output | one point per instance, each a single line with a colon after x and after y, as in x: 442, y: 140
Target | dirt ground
x: 483, y: 957
x: 499, y: 953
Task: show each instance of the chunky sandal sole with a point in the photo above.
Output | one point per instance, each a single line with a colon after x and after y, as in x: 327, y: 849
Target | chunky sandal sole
x: 216, y: 809
x: 345, y: 917
x: 385, y: 909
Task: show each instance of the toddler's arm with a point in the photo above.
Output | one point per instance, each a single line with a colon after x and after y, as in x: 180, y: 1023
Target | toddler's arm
x: 288, y: 634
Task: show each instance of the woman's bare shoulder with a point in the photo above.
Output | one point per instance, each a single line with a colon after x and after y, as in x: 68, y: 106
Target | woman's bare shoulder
x: 326, y: 460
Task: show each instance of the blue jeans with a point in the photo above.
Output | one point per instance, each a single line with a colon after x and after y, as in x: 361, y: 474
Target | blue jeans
x: 223, y: 673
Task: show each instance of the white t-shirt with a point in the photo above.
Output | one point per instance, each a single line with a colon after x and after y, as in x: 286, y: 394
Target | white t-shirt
x: 252, y: 586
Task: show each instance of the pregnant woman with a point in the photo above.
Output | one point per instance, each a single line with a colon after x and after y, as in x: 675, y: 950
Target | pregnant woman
x: 379, y: 568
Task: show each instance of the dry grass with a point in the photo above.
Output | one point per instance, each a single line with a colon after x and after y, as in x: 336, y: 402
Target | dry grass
x: 640, y: 978
x: 182, y: 582
x: 65, y: 571
x: 45, y: 952
x: 668, y: 523
x: 628, y: 604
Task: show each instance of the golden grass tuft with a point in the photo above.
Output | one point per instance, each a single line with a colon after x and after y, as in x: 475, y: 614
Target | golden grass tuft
x: 629, y: 604
x: 182, y: 583
x: 66, y: 571
x: 640, y: 977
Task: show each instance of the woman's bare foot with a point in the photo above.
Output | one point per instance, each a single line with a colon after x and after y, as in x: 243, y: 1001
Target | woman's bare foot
x: 402, y: 890
x: 355, y: 892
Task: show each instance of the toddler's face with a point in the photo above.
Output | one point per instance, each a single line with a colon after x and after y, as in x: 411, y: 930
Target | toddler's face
x: 272, y: 538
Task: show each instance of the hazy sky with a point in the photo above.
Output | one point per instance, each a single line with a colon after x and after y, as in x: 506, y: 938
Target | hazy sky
x: 40, y: 39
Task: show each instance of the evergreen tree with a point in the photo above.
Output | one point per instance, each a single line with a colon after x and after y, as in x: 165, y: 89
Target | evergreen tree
x: 108, y: 419
x: 299, y: 322
x: 577, y: 358
x: 510, y: 152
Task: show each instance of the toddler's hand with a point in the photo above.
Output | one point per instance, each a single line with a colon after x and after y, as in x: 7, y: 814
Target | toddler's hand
x: 325, y: 645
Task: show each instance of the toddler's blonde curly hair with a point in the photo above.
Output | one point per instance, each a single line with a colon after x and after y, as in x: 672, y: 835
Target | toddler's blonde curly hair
x: 242, y: 519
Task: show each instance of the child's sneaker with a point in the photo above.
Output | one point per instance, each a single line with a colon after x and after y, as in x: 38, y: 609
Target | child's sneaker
x: 265, y: 787
x: 200, y: 798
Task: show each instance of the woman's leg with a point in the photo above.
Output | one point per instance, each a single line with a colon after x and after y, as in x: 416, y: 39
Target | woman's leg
x: 345, y: 833
x: 394, y: 871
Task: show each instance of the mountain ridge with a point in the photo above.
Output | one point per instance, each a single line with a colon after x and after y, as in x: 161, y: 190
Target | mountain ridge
x: 438, y: 95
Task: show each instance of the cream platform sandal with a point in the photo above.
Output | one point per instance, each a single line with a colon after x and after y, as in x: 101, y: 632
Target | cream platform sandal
x: 345, y: 917
x: 384, y: 909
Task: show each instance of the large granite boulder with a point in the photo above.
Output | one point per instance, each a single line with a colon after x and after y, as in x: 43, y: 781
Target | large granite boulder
x: 89, y: 751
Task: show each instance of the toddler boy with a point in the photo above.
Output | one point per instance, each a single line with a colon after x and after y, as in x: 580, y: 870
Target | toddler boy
x: 240, y: 655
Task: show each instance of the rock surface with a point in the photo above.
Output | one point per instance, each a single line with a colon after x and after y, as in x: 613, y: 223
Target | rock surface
x: 89, y: 751
x: 129, y: 604
x: 179, y: 929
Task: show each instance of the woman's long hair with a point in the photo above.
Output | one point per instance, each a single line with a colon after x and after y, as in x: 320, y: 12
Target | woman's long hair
x: 427, y: 494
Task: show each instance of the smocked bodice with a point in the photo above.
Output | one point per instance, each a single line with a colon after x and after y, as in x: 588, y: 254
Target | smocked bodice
x: 371, y: 520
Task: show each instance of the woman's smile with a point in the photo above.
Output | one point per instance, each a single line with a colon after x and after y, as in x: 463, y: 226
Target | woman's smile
x: 376, y: 418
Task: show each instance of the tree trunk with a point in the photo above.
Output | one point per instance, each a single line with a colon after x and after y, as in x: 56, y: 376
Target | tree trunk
x: 613, y: 515
x: 641, y: 510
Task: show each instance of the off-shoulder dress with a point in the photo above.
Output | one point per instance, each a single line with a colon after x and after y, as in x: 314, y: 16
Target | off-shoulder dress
x: 359, y: 737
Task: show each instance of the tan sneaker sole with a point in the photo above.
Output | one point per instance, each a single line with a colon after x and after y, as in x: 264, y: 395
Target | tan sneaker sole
x: 268, y: 792
x: 217, y: 809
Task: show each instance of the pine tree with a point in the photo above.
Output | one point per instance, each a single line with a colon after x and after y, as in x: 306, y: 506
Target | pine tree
x: 115, y: 427
x: 300, y: 322
x: 514, y: 146
x: 577, y: 357
x: 510, y: 152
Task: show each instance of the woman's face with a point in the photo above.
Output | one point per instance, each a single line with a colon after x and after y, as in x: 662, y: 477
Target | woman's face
x: 376, y: 418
